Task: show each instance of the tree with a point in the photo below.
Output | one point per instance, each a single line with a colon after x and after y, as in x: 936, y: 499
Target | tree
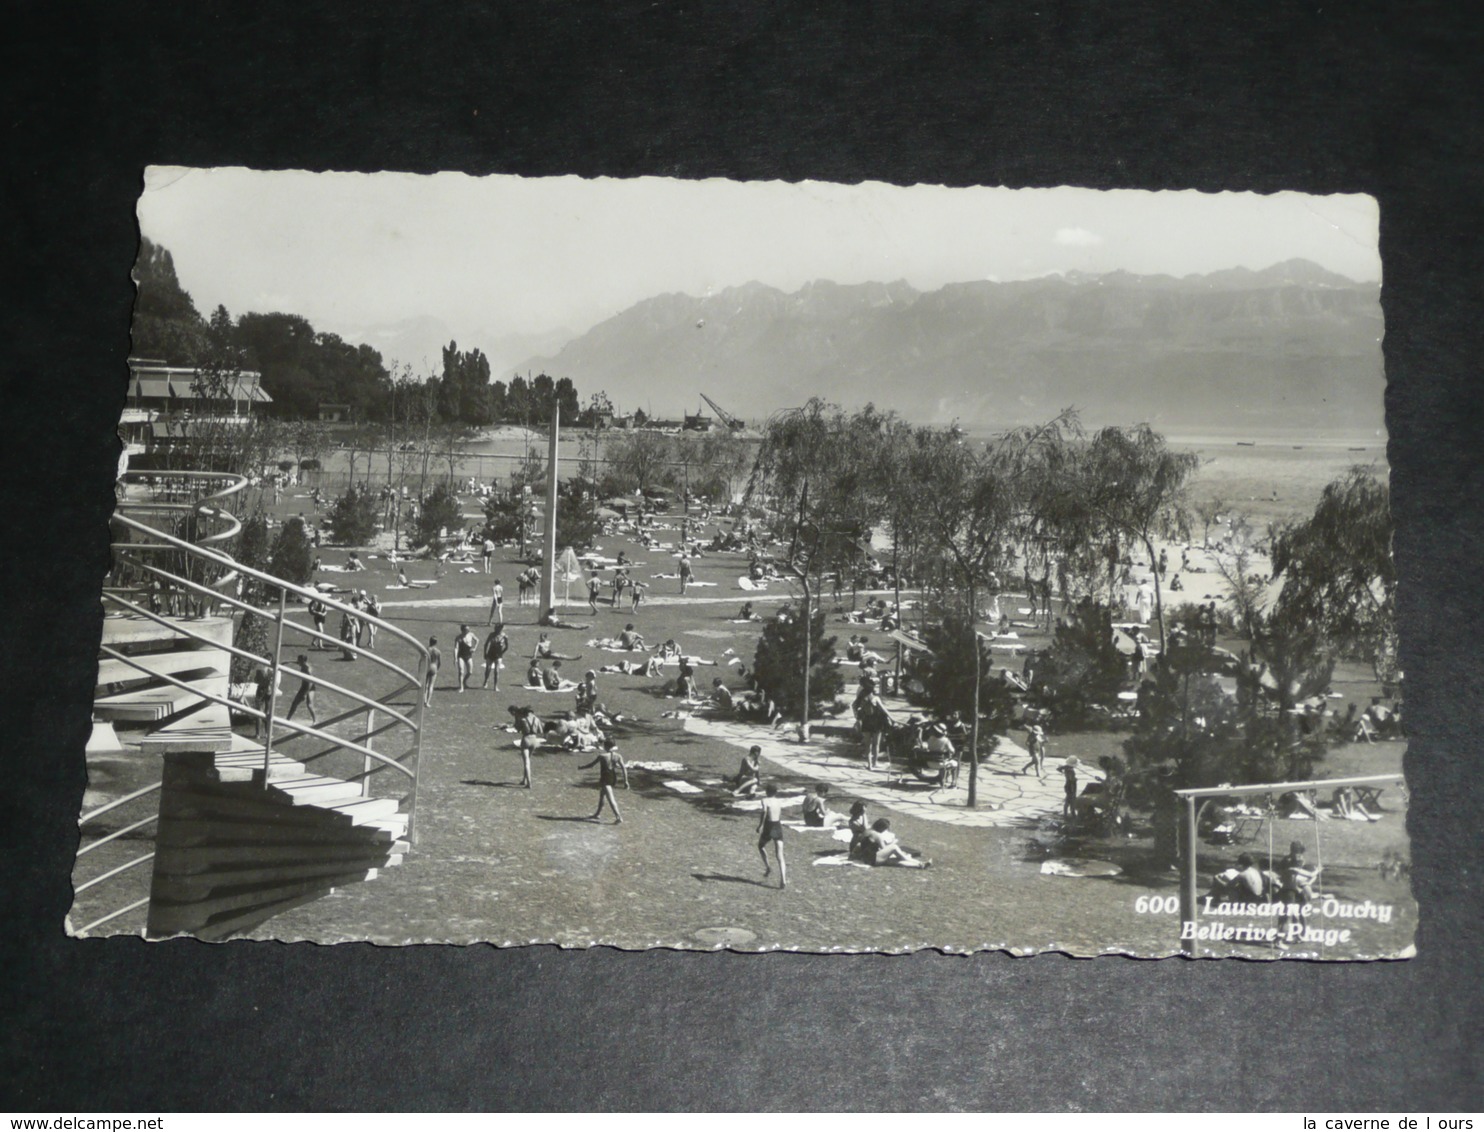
x: 1082, y: 669
x: 166, y: 323
x: 808, y: 473
x: 783, y: 649
x: 580, y: 526
x: 504, y: 518
x: 1208, y: 511
x: 441, y: 511
x: 1338, y: 574
x: 637, y: 459
x: 976, y: 507
x: 251, y: 632
x: 1246, y: 591
x: 292, y: 556
x: 949, y: 678
x: 1135, y: 487
x: 352, y: 521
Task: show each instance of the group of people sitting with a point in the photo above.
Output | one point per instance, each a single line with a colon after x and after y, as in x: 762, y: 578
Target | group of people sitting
x: 871, y: 842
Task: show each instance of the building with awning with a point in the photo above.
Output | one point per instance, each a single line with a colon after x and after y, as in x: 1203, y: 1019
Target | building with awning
x: 164, y: 403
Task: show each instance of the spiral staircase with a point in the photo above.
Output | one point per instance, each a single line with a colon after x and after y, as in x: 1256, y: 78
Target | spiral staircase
x: 189, y: 826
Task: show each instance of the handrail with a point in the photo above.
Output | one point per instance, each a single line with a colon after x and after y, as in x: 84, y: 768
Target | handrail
x: 202, y: 494
x: 258, y: 713
x: 249, y: 607
x: 191, y: 634
x: 268, y: 579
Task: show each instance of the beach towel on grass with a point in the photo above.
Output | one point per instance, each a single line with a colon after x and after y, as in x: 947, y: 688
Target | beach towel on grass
x: 747, y: 583
x: 1065, y: 868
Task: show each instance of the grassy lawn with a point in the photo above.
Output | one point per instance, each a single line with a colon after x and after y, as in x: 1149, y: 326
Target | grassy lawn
x: 498, y: 863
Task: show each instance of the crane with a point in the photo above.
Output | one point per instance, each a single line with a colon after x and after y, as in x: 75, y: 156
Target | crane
x: 733, y: 423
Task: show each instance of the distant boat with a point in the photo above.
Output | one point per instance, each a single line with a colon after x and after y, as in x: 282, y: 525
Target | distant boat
x: 1356, y: 450
x: 1298, y: 447
x: 1246, y: 444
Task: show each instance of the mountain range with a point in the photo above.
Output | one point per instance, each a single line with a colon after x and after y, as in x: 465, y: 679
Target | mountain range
x: 1290, y: 346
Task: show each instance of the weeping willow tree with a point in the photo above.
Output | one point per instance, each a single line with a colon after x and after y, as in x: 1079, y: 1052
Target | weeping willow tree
x: 813, y: 476
x: 980, y: 506
x: 1132, y: 486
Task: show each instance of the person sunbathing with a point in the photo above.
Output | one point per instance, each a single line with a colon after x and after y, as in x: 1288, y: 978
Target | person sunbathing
x: 749, y: 777
x: 630, y: 640
x: 885, y: 849
x: 817, y: 814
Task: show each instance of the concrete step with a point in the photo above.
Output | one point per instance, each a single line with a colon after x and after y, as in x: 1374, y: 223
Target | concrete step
x: 278, y: 765
x: 235, y: 864
x: 378, y: 812
x: 150, y: 705
x: 165, y: 919
x: 315, y: 790
x: 121, y: 632
x: 171, y: 661
x: 219, y: 831
x: 207, y: 728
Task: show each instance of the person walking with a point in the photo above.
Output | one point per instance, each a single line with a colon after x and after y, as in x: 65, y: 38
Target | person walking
x: 1035, y: 742
x: 770, y: 829
x: 610, y: 766
x: 531, y: 730
x: 594, y: 584
x: 685, y: 573
x: 435, y: 662
x: 305, y: 694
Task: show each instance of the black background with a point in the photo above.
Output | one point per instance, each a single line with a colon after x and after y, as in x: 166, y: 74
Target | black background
x: 1378, y: 98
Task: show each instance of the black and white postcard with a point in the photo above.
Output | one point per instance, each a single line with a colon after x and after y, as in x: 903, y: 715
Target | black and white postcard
x: 705, y: 564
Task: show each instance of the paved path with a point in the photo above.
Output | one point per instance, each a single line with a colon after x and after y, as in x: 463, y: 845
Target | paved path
x: 1006, y: 798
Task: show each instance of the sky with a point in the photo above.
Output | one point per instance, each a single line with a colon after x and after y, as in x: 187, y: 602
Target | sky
x: 489, y: 257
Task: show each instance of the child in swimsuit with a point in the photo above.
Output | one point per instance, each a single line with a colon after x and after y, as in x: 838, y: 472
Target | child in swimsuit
x: 770, y: 828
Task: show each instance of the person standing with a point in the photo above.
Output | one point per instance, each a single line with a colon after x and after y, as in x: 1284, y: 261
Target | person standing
x: 610, y: 765
x: 496, y: 645
x: 347, y: 634
x: 488, y: 552
x: 435, y: 662
x: 594, y: 584
x: 305, y: 694
x: 874, y: 719
x: 685, y: 573
x: 463, y: 654
x: 770, y: 829
x: 372, y: 607
x: 318, y: 611
x: 1069, y: 796
x: 497, y: 605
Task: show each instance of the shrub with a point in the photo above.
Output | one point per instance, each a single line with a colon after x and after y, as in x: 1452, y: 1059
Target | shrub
x: 948, y: 678
x: 502, y: 518
x: 440, y: 511
x: 352, y: 521
x: 1083, y: 667
x: 779, y: 662
x: 292, y: 557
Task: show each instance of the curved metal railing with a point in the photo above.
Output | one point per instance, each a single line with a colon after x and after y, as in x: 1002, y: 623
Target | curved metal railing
x: 155, y: 570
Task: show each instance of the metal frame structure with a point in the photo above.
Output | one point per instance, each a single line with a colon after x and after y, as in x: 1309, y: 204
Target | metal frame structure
x: 201, y: 572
